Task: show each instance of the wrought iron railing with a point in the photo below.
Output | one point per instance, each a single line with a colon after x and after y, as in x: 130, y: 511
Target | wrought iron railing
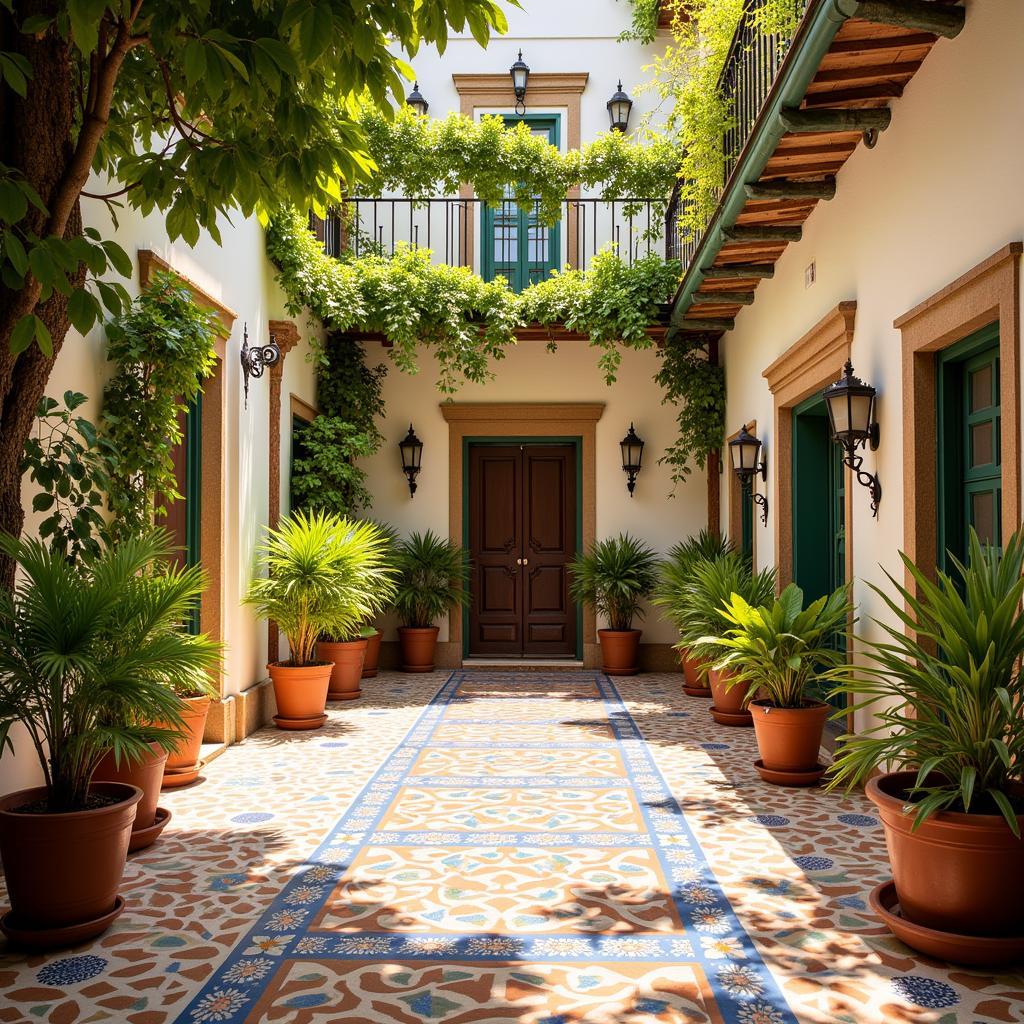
x: 452, y: 229
x: 748, y: 75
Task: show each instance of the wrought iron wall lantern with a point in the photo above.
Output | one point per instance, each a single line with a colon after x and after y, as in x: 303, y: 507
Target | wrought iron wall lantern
x: 416, y: 101
x: 851, y: 414
x: 255, y: 359
x: 619, y: 107
x: 411, y: 448
x: 520, y: 73
x: 745, y: 451
x: 632, y: 449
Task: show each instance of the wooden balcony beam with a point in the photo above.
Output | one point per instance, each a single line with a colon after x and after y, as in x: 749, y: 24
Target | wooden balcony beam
x: 763, y: 233
x: 917, y: 15
x: 785, y: 188
x: 731, y: 271
x: 838, y: 119
x: 723, y: 299
x: 700, y: 326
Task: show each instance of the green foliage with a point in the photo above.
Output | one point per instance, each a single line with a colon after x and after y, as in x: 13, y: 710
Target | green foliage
x: 675, y: 574
x: 700, y: 609
x: 781, y: 647
x: 72, y: 467
x: 161, y: 351
x: 326, y: 576
x: 433, y: 578
x: 613, y: 577
x: 420, y: 157
x: 945, y: 686
x: 90, y: 654
x: 327, y: 474
x: 644, y: 26
x: 215, y: 107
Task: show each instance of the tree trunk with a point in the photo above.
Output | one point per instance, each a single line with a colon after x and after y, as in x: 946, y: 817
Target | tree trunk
x: 38, y: 141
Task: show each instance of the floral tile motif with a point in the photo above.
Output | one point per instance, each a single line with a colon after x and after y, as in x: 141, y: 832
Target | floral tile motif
x: 736, y: 902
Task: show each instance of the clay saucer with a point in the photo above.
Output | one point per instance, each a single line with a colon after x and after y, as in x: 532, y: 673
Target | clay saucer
x: 345, y: 695
x: 313, y: 722
x: 144, y: 837
x: 58, y: 938
x: 697, y: 691
x: 175, y: 777
x: 785, y: 778
x: 739, y: 718
x: 974, y: 950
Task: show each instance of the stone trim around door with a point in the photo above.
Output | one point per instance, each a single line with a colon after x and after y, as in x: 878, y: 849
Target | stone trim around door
x: 527, y: 419
x: 987, y: 294
x: 808, y: 365
x: 547, y: 91
x: 220, y: 724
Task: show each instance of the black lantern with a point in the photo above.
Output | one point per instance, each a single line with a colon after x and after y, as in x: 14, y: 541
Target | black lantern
x: 411, y: 448
x: 632, y: 448
x: 619, y: 107
x: 520, y: 73
x: 745, y: 452
x: 851, y: 414
x: 416, y: 101
x: 255, y: 359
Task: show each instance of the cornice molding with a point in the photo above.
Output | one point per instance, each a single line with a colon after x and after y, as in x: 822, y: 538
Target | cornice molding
x: 150, y: 263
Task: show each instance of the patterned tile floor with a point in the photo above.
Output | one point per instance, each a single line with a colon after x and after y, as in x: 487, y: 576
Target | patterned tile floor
x: 491, y: 848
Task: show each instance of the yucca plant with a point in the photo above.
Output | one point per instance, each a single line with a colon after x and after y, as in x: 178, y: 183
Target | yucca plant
x: 780, y: 647
x: 946, y: 693
x: 90, y: 653
x: 713, y: 582
x: 675, y: 574
x: 613, y: 577
x: 433, y: 578
x: 325, y: 577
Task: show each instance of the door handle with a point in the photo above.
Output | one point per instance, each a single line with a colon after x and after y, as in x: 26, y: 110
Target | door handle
x: 522, y: 561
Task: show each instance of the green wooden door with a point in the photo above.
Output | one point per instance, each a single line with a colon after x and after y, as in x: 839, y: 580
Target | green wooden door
x: 969, y: 463
x: 516, y: 245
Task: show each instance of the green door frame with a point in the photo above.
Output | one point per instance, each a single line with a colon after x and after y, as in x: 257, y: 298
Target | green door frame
x: 577, y: 443
x: 957, y: 481
x: 193, y: 495
x: 519, y: 276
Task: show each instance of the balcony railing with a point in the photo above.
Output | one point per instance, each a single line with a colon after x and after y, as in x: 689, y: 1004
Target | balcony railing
x: 452, y: 228
x: 750, y: 70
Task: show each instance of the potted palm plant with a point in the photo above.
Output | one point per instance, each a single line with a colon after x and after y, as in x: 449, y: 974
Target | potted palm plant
x: 374, y: 635
x: 712, y: 585
x: 774, y: 652
x: 613, y: 577
x: 672, y: 592
x: 433, y: 578
x: 183, y: 763
x: 368, y: 546
x: 947, y: 696
x: 314, y: 587
x: 86, y: 655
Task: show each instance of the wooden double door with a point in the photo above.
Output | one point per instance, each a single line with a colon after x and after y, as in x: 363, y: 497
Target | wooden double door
x: 522, y: 535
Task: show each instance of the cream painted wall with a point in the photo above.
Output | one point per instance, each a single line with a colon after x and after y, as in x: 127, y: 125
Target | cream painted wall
x: 239, y: 275
x: 939, y: 194
x: 531, y: 374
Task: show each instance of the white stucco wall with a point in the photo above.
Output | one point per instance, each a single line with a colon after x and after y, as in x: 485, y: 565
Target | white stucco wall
x: 940, y: 192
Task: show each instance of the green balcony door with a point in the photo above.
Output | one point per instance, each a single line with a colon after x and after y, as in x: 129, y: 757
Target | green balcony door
x: 183, y: 519
x: 969, y: 464
x: 819, y: 509
x: 516, y: 245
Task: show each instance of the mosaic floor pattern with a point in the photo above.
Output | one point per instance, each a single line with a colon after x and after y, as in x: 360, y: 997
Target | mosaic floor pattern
x: 482, y: 848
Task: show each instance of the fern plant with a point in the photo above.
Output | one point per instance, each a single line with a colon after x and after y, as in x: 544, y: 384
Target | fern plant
x: 945, y: 687
x: 326, y: 576
x: 613, y: 577
x: 675, y: 574
x: 433, y: 578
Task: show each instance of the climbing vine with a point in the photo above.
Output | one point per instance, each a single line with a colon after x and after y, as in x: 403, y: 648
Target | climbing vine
x: 644, y: 26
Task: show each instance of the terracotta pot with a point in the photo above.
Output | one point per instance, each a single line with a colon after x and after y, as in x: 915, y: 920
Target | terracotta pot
x: 727, y: 698
x: 300, y: 690
x: 64, y: 869
x: 186, y: 752
x: 418, y: 647
x: 620, y: 651
x: 789, y: 738
x: 147, y: 775
x: 957, y: 873
x: 348, y: 667
x: 372, y: 659
x: 691, y: 669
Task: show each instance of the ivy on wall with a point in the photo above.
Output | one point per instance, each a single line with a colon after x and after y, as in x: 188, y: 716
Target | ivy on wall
x: 468, y: 324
